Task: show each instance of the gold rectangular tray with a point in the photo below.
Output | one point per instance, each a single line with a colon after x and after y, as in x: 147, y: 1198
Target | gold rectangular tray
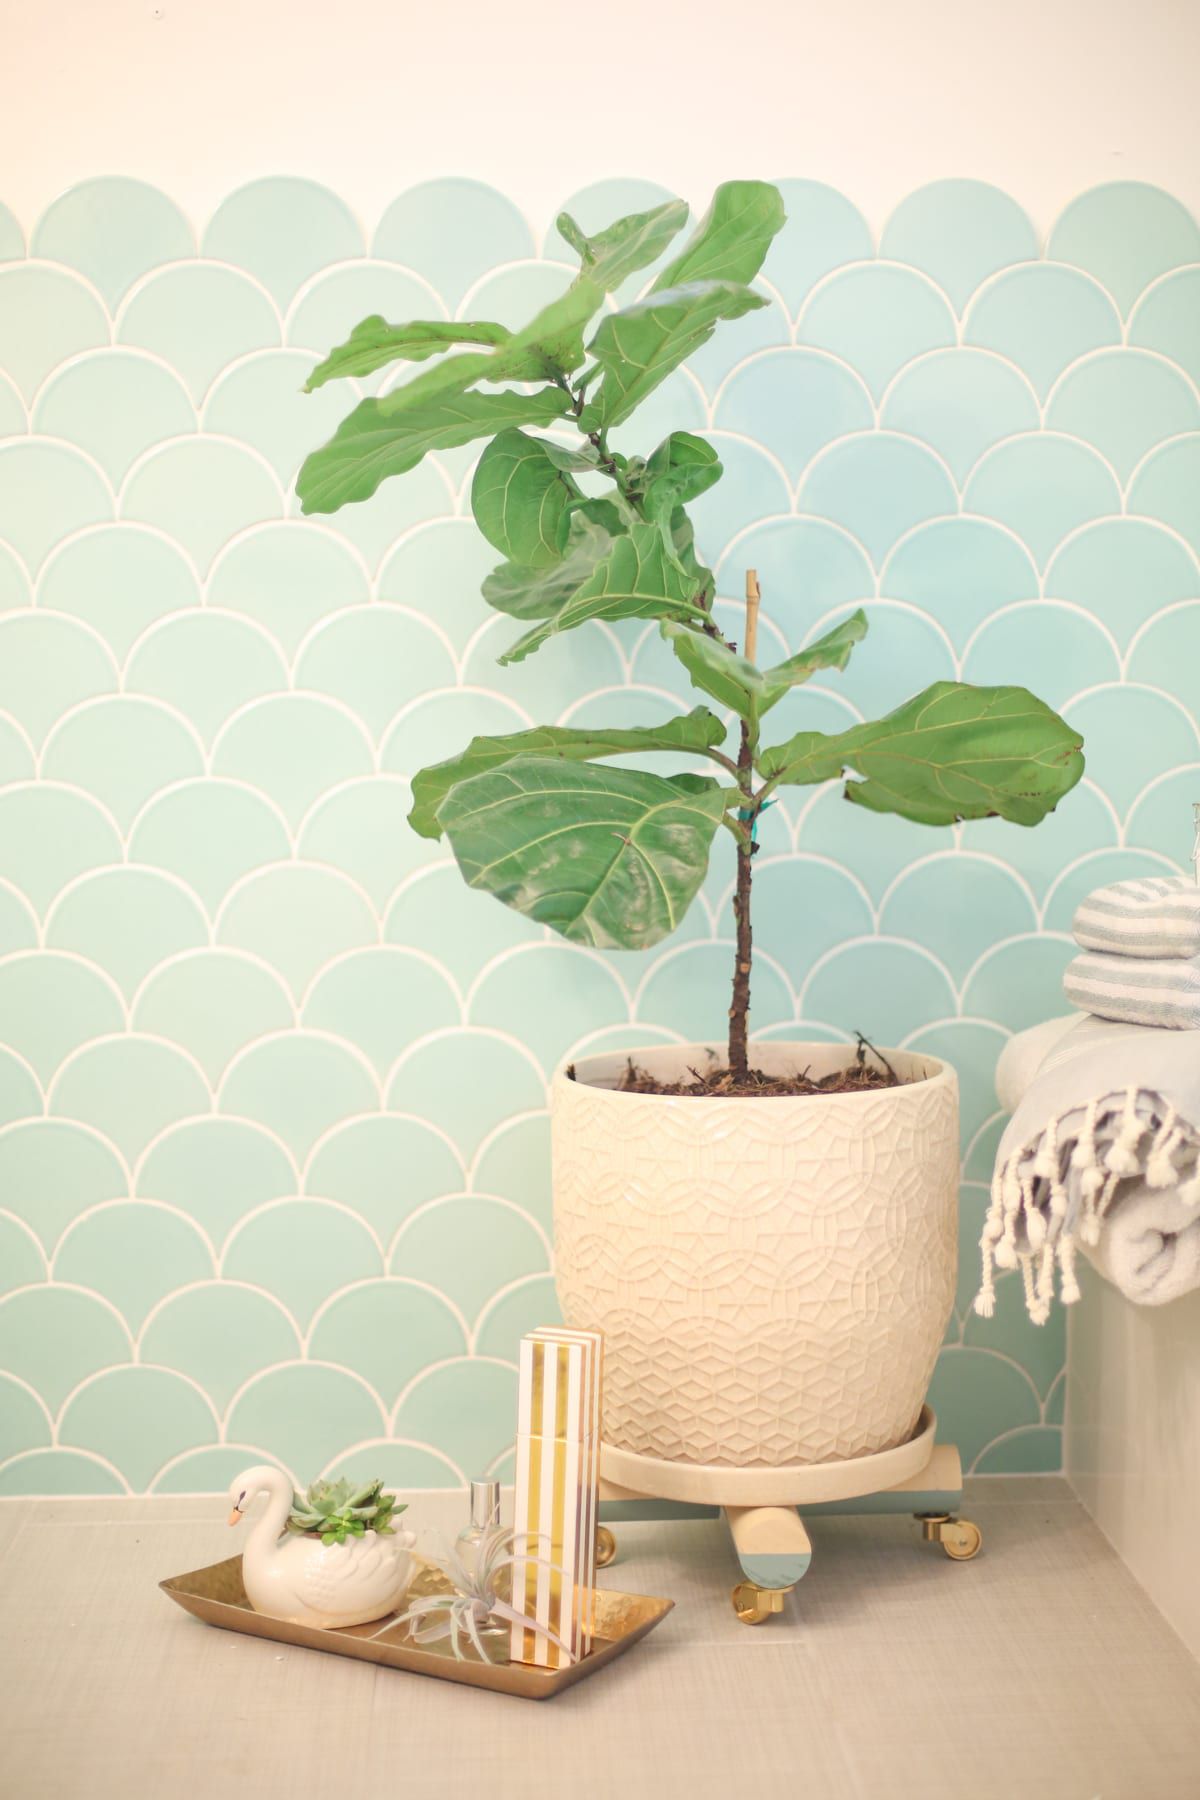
x: 217, y: 1596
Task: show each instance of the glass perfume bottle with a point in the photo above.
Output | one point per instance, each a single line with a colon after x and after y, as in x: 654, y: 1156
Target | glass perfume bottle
x: 485, y: 1519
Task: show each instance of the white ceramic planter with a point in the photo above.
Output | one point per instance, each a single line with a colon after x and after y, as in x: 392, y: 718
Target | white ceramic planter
x: 298, y: 1578
x: 772, y: 1277
x: 329, y: 1585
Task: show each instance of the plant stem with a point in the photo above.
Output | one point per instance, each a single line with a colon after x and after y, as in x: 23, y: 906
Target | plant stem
x: 726, y: 762
x: 608, y: 466
x: 739, y: 1011
x: 597, y: 439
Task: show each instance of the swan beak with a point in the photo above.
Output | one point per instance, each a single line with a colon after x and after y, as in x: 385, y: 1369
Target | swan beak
x: 235, y: 1517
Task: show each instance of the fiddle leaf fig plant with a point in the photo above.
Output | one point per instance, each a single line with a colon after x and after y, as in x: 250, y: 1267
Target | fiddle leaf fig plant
x: 547, y: 820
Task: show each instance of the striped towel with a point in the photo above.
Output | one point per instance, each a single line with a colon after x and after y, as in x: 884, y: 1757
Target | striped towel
x: 1136, y: 991
x: 1156, y: 917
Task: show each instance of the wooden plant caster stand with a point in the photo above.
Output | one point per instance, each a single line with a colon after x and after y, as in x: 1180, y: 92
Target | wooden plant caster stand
x: 770, y: 1541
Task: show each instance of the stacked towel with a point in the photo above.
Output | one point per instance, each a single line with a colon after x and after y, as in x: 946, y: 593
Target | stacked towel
x: 1153, y: 918
x: 1140, y: 954
x: 1102, y: 1155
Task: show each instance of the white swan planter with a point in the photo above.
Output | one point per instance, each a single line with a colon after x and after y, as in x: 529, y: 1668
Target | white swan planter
x: 306, y: 1582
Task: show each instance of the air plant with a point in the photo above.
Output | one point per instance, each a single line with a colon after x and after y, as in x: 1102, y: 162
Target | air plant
x: 336, y: 1510
x: 479, y: 1597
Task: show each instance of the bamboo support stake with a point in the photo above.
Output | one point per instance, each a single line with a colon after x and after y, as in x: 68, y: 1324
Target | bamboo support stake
x: 753, y: 597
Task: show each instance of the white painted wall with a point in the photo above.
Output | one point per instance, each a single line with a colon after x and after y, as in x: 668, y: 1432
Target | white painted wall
x: 1043, y: 97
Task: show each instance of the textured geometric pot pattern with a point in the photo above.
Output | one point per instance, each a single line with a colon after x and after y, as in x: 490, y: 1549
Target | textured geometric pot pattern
x: 773, y: 1276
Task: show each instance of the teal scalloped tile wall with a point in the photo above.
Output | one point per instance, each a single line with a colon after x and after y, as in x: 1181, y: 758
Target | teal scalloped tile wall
x: 273, y: 1149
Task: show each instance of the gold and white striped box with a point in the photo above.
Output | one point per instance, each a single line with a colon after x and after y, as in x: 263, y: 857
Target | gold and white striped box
x: 557, y: 1474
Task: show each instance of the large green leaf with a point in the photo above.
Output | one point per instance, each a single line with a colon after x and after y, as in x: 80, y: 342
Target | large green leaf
x: 579, y: 457
x: 953, y: 752
x: 679, y: 471
x: 610, y: 511
x: 638, y: 347
x: 696, y: 731
x: 732, y: 238
x: 546, y: 349
x: 451, y: 375
x: 829, y: 652
x: 374, y: 343
x: 389, y: 436
x: 738, y: 683
x: 684, y: 537
x: 551, y: 345
x: 688, y: 460
x: 539, y: 593
x: 635, y: 580
x: 608, y: 857
x: 521, y: 501
x: 716, y: 669
x: 626, y: 245
x: 552, y: 342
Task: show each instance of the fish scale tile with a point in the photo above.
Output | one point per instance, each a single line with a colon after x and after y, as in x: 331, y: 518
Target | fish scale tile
x: 273, y: 1134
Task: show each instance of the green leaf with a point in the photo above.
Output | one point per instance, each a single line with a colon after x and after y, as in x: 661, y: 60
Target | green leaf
x: 608, y: 857
x: 452, y: 375
x: 575, y: 460
x: 696, y: 731
x: 680, y: 470
x: 714, y: 668
x: 732, y: 239
x: 548, y: 348
x: 635, y: 580
x: 572, y: 233
x: 551, y: 344
x: 374, y: 343
x: 521, y: 501
x: 684, y: 538
x: 638, y: 347
x: 389, y: 436
x: 539, y: 593
x: 683, y: 453
x: 829, y: 652
x: 626, y: 245
x: 613, y: 515
x: 954, y: 752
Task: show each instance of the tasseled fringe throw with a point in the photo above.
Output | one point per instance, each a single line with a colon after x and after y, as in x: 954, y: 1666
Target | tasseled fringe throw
x: 1055, y: 1193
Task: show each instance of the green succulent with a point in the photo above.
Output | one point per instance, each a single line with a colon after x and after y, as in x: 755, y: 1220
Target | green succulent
x: 338, y: 1510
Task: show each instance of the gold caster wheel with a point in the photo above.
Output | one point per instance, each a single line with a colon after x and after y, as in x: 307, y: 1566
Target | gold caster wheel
x: 606, y: 1546
x: 754, y: 1605
x: 959, y: 1538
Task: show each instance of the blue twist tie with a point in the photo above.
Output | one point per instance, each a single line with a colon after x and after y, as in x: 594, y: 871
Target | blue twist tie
x: 744, y: 814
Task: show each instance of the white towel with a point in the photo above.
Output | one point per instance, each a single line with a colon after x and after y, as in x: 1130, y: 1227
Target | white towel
x: 1157, y: 917
x: 1150, y: 1246
x: 1138, y: 990
x: 1023, y: 1056
x: 1102, y: 1154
